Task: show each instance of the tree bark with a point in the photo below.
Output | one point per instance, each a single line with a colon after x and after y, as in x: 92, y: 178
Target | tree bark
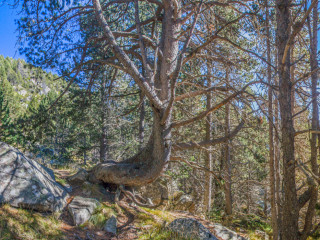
x: 144, y: 167
x: 141, y: 122
x: 290, y: 212
x: 103, y: 119
x: 277, y: 155
x: 313, y: 33
x: 152, y: 160
x: 208, y: 155
x: 227, y: 163
x: 274, y: 215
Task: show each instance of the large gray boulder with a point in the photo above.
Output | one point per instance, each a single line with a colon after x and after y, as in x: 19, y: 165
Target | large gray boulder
x: 26, y: 183
x: 81, y: 209
x: 190, y: 228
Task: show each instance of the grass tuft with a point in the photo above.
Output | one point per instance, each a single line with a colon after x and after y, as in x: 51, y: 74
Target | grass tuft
x: 27, y: 225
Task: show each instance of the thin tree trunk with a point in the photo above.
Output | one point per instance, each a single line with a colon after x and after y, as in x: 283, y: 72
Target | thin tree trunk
x: 248, y: 192
x: 85, y: 150
x: 292, y: 69
x: 313, y: 33
x: 103, y: 119
x: 142, y: 122
x: 208, y: 157
x: 290, y: 212
x: 227, y: 164
x: 271, y: 137
x: 277, y: 156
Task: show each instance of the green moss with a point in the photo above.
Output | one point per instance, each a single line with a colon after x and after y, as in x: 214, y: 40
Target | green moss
x: 251, y: 223
x: 151, y: 229
x: 162, y: 233
x: 164, y: 215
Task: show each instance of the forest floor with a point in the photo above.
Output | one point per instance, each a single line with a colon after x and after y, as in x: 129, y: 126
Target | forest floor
x: 133, y: 222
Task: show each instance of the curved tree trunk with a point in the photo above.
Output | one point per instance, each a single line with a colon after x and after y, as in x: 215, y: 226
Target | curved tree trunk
x: 144, y: 167
x: 158, y: 87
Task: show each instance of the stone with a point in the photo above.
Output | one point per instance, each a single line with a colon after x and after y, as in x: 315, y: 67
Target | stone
x: 111, y: 225
x: 68, y: 188
x: 81, y: 209
x: 26, y: 183
x: 50, y: 172
x: 191, y: 228
x: 80, y: 177
x: 225, y: 233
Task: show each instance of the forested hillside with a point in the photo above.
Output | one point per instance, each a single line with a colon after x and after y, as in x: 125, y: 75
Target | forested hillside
x: 206, y: 111
x: 62, y: 131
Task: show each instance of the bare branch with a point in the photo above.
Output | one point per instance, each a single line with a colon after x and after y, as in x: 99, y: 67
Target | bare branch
x: 212, y: 109
x: 206, y: 143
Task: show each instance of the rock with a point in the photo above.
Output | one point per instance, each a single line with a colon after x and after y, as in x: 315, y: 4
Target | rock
x: 68, y: 188
x: 26, y: 183
x: 80, y: 177
x: 81, y: 209
x: 191, y: 229
x: 111, y: 225
x: 50, y: 172
x: 226, y: 234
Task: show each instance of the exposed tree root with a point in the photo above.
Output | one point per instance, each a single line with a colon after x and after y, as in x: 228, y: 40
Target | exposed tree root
x: 131, y: 196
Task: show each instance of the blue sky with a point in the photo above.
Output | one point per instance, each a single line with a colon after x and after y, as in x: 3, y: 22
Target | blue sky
x: 8, y: 34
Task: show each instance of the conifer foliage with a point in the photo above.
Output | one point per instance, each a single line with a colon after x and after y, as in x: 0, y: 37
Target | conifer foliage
x: 4, y: 117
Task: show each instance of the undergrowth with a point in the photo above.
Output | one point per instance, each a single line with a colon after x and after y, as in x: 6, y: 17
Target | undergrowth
x: 27, y: 225
x: 250, y: 223
x: 101, y: 215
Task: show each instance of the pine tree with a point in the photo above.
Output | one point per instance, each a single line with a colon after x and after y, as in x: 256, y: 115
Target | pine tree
x: 4, y: 117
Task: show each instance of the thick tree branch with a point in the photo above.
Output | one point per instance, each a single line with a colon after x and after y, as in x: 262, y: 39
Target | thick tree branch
x: 207, y: 143
x: 304, y: 198
x: 124, y: 59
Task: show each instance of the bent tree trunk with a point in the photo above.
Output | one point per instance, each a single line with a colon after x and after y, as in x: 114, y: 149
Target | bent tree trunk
x: 158, y: 86
x: 142, y: 168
